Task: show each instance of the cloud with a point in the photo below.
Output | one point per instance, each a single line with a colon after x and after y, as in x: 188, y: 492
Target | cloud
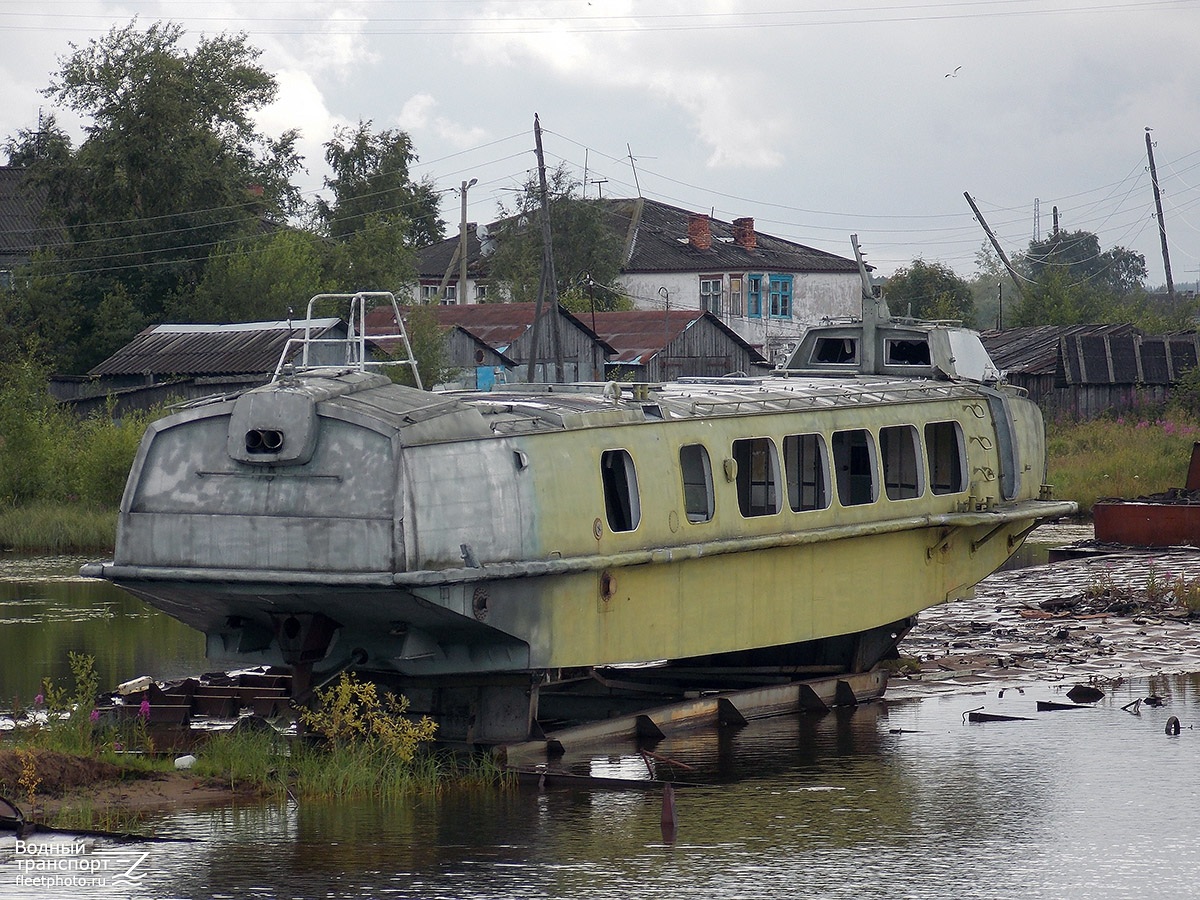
x: 418, y: 115
x: 706, y: 77
x: 300, y: 104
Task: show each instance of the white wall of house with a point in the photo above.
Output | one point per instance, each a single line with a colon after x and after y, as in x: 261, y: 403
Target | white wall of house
x: 813, y: 297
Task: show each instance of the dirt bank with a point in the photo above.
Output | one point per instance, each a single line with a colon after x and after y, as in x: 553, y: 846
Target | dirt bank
x: 67, y: 784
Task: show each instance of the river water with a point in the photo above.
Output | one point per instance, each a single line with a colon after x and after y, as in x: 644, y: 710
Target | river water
x: 900, y: 799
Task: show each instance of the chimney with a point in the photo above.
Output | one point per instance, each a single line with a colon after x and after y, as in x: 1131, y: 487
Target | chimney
x: 743, y: 233
x: 699, y: 232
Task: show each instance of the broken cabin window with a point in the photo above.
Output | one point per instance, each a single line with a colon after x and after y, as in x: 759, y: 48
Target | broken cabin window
x: 757, y: 476
x: 912, y: 352
x: 900, y: 449
x: 697, y: 482
x: 854, y: 465
x: 947, y: 459
x: 620, y: 490
x: 835, y: 350
x: 807, y: 471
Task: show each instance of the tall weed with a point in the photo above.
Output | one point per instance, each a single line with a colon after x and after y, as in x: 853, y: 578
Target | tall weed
x: 1119, y: 457
x: 56, y: 470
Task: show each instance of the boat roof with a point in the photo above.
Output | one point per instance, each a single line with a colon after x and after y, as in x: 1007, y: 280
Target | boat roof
x: 422, y: 417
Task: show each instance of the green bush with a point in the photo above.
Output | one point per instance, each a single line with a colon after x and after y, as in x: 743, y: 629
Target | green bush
x: 60, y: 477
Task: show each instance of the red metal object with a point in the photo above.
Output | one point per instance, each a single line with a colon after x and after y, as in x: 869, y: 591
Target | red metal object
x: 1147, y: 524
x: 1193, y: 479
x: 1170, y: 519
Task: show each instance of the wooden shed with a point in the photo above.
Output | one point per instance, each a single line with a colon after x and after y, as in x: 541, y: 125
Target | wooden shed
x: 1081, y: 371
x: 653, y: 345
x: 184, y: 362
x: 508, y: 330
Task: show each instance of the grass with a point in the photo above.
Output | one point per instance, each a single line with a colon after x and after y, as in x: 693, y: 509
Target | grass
x: 1120, y: 457
x: 360, y: 745
x: 54, y: 528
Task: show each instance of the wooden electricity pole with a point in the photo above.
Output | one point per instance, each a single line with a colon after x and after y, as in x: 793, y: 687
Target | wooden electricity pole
x: 1162, y: 228
x: 548, y: 286
x: 995, y: 243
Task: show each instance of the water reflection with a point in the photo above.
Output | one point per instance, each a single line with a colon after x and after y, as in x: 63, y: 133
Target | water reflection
x: 47, y: 610
x: 896, y: 799
x: 892, y: 800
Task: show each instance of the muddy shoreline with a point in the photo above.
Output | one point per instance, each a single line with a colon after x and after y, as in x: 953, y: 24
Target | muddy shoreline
x: 1100, y: 619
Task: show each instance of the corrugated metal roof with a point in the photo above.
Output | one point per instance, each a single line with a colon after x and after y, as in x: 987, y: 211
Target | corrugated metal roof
x: 240, y: 349
x: 23, y: 228
x: 655, y: 239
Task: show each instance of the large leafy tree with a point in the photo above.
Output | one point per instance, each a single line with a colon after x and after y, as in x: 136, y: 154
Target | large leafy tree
x: 170, y: 167
x: 930, y: 291
x: 1078, y: 255
x: 266, y: 278
x: 373, y: 189
x: 1069, y: 280
x: 587, y: 252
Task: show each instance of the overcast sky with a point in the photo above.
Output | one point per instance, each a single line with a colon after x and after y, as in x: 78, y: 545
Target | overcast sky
x: 815, y: 120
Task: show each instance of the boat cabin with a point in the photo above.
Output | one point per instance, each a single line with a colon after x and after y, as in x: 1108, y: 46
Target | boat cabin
x: 898, y: 348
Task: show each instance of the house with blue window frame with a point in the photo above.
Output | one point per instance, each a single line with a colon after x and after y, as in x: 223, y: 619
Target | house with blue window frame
x: 765, y: 288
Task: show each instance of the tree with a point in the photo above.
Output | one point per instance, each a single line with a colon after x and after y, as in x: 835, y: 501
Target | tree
x: 930, y: 291
x: 255, y: 280
x: 171, y: 166
x: 587, y: 252
x: 1070, y: 280
x: 992, y: 288
x: 49, y: 144
x: 428, y: 343
x: 376, y: 257
x: 373, y: 188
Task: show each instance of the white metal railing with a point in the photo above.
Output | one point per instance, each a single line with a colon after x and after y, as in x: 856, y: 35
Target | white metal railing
x: 357, y: 355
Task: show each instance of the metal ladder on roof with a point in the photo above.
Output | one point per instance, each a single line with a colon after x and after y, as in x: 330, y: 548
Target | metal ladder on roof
x: 358, y: 355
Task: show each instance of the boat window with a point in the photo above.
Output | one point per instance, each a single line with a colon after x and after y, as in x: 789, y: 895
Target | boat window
x: 835, y: 350
x: 853, y: 461
x: 757, y: 476
x: 620, y: 490
x: 807, y: 471
x: 697, y: 482
x: 911, y: 352
x: 901, y: 451
x: 947, y: 459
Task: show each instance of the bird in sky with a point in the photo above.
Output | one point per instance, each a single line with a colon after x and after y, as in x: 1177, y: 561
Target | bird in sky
x: 953, y: 74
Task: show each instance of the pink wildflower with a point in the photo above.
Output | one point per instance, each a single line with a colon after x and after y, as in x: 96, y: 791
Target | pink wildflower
x: 95, y: 716
x: 39, y: 700
x: 144, y: 710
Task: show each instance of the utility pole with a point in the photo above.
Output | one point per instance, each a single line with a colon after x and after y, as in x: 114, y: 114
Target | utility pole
x: 1162, y: 228
x: 462, y: 243
x: 996, y: 244
x: 633, y: 165
x: 547, y: 287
